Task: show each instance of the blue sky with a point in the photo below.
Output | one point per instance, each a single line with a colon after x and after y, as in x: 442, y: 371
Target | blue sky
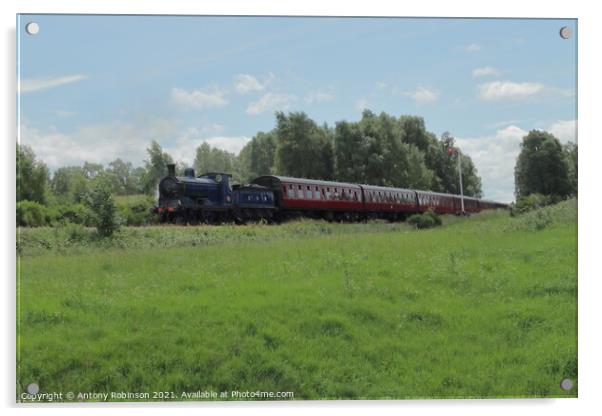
x: 100, y: 87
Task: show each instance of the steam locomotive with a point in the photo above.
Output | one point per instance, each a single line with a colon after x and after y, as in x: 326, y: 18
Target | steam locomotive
x: 211, y: 198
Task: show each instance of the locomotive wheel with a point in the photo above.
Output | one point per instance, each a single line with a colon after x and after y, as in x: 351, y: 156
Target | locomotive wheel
x: 193, y: 218
x: 208, y: 217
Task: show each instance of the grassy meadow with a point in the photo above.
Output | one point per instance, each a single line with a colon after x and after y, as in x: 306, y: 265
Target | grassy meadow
x: 481, y: 307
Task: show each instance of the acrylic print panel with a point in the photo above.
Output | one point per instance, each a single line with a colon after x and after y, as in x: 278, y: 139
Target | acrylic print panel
x: 286, y: 208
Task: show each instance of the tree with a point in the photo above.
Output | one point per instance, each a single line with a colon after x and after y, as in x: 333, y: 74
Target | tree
x: 124, y: 180
x: 212, y: 159
x: 262, y: 154
x: 99, y: 201
x: 32, y: 176
x: 92, y: 170
x: 155, y: 166
x: 415, y: 132
x: 350, y: 151
x: 541, y: 166
x: 257, y: 157
x: 377, y: 150
x: 570, y: 152
x: 69, y: 184
x: 303, y: 148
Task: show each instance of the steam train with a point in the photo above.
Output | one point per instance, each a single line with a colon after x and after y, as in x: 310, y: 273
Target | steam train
x: 211, y: 198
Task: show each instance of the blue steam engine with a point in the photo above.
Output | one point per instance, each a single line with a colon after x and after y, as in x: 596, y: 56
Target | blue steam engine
x: 210, y: 198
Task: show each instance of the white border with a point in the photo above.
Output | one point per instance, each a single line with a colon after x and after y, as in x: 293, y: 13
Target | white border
x: 590, y: 275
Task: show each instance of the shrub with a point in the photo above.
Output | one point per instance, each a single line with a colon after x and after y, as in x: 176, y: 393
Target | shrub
x: 436, y: 218
x: 74, y: 213
x: 104, y: 211
x: 564, y: 212
x: 76, y: 233
x: 427, y: 219
x: 136, y: 210
x: 31, y: 214
x: 532, y: 202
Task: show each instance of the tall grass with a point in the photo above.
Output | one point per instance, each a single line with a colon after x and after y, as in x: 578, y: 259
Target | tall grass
x: 481, y: 307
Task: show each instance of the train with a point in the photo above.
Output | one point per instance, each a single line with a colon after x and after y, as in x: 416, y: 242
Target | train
x: 212, y: 198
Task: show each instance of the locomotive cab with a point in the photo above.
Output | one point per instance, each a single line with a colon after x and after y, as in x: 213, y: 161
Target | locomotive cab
x: 223, y: 183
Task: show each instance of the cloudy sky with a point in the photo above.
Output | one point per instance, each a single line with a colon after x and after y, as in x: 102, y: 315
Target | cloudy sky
x: 94, y: 88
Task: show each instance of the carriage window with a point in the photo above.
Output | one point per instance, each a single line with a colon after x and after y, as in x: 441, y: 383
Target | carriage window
x: 291, y: 192
x: 308, y: 193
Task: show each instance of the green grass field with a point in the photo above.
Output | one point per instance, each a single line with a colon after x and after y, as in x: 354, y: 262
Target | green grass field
x: 481, y: 307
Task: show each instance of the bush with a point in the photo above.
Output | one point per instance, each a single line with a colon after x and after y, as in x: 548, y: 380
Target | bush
x: 76, y: 233
x: 532, y: 202
x: 136, y: 209
x: 31, y: 214
x: 436, y: 218
x: 73, y: 213
x: 427, y: 219
x: 104, y: 211
x: 564, y: 212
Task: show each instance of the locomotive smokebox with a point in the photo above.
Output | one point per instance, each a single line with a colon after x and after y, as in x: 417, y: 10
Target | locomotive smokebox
x: 171, y: 170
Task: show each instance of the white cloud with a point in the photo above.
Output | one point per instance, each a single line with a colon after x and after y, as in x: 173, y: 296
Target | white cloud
x: 423, y: 95
x: 486, y: 71
x: 100, y: 143
x: 473, y: 47
x: 508, y: 90
x: 271, y: 102
x: 315, y: 97
x: 381, y: 85
x: 184, y: 148
x: 494, y: 157
x: 103, y: 143
x: 565, y: 130
x: 244, y: 84
x: 198, y: 98
x: 37, y: 84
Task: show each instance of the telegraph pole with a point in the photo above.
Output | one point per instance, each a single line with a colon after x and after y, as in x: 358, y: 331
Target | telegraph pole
x: 460, y: 173
x: 451, y: 150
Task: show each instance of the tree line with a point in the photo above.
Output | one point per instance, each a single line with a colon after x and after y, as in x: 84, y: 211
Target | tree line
x: 378, y: 150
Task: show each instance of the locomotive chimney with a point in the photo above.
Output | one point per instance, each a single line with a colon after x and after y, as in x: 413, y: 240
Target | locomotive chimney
x: 171, y: 170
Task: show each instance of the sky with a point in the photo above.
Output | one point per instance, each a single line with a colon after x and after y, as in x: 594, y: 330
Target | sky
x: 96, y: 88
